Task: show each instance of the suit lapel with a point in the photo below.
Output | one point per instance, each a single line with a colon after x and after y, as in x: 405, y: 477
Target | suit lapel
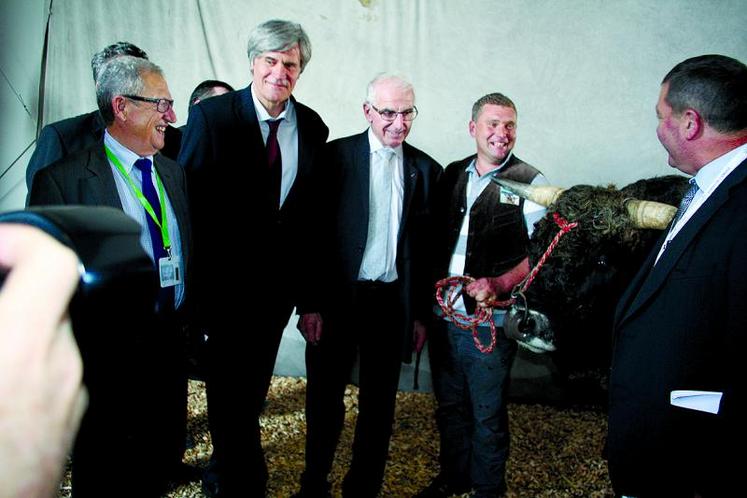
x: 410, y: 180
x: 681, y: 242
x: 361, y: 176
x: 99, y: 187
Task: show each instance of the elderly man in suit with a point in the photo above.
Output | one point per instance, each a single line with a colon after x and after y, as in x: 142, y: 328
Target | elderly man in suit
x: 57, y: 140
x: 378, y: 293
x: 682, y: 323
x: 250, y: 157
x: 125, y: 171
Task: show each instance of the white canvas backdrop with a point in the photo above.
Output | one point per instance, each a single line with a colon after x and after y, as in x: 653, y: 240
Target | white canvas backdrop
x: 584, y: 74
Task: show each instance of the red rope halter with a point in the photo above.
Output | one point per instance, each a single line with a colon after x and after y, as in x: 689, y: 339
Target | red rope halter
x: 484, y: 314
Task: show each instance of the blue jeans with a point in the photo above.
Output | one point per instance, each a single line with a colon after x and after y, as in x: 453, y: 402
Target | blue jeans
x: 471, y: 389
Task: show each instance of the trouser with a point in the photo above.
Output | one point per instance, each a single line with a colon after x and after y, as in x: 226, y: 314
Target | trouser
x: 240, y: 365
x: 134, y: 427
x: 372, y: 327
x: 472, y: 416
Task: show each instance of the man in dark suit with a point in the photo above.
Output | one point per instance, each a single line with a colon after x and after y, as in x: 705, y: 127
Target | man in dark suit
x: 377, y: 297
x: 682, y: 323
x: 135, y: 103
x: 250, y: 159
x: 57, y: 140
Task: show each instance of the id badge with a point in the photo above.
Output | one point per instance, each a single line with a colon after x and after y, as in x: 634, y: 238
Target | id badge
x: 508, y: 197
x: 169, y: 271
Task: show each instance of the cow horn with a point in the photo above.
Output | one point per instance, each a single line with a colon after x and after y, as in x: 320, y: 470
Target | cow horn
x: 541, y: 194
x: 650, y: 214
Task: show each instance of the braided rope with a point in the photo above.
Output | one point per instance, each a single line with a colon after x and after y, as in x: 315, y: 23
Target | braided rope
x: 484, y: 314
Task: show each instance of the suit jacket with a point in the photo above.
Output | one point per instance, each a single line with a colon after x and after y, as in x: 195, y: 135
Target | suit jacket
x: 682, y: 325
x: 57, y: 140
x: 85, y: 178
x: 224, y: 156
x: 347, y: 183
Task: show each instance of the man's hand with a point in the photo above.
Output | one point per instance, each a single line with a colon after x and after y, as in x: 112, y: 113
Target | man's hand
x: 42, y: 398
x: 487, y: 289
x: 420, y: 334
x: 310, y: 325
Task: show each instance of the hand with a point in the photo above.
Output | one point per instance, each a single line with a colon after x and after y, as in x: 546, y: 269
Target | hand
x: 420, y: 334
x: 42, y: 398
x: 482, y: 290
x: 310, y: 325
x: 487, y: 289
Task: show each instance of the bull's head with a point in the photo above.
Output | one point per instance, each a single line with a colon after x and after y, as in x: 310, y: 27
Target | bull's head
x: 581, y: 280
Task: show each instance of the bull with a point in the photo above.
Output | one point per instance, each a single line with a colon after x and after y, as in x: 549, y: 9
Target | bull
x: 605, y: 234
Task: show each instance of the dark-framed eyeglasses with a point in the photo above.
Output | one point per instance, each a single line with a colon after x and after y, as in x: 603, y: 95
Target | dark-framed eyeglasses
x: 162, y: 105
x: 390, y: 115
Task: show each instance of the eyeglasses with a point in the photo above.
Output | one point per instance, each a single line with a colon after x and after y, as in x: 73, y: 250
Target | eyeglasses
x: 162, y: 105
x: 390, y: 115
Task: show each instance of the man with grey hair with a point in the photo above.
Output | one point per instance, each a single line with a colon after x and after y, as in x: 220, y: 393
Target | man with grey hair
x: 125, y: 171
x: 377, y: 297
x: 251, y: 158
x: 58, y: 139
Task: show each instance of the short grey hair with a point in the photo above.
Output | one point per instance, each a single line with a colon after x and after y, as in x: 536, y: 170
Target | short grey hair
x: 399, y: 83
x: 494, y: 99
x: 122, y: 75
x: 277, y: 35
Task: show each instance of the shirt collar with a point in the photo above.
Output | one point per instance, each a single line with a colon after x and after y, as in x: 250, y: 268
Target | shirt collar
x: 288, y: 114
x: 374, y: 145
x: 708, y: 173
x: 472, y: 167
x: 125, y: 155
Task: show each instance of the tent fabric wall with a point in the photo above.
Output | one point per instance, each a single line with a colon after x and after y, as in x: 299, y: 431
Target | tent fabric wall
x: 584, y: 74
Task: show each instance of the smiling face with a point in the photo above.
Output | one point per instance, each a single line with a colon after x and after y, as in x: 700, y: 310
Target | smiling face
x: 274, y: 76
x: 390, y: 96
x: 494, y: 132
x: 143, y: 125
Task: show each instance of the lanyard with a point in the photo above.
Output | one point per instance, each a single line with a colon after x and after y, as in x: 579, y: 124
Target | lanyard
x: 162, y: 224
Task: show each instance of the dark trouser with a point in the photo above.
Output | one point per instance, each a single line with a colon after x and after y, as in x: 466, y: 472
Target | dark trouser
x: 241, y: 359
x: 471, y: 389
x: 372, y: 325
x: 134, y: 428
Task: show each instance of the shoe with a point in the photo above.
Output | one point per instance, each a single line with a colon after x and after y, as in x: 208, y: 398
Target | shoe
x: 439, y: 488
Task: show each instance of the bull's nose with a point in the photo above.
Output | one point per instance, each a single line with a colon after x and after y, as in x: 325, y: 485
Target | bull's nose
x: 531, y: 329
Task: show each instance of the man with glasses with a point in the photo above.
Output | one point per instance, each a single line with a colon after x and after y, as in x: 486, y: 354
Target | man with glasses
x: 483, y: 232
x: 58, y: 139
x: 251, y: 157
x: 125, y: 171
x: 377, y: 297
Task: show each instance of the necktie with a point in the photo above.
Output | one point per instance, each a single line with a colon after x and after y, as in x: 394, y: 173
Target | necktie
x: 165, y: 294
x: 274, y: 162
x: 379, y: 214
x: 686, y: 200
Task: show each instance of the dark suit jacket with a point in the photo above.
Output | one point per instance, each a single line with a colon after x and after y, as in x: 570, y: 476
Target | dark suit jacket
x: 682, y: 325
x: 85, y: 177
x: 57, y: 140
x: 347, y: 185
x: 225, y: 159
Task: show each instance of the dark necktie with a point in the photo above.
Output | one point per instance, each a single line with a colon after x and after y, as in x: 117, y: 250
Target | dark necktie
x: 165, y: 294
x: 274, y: 162
x: 686, y: 200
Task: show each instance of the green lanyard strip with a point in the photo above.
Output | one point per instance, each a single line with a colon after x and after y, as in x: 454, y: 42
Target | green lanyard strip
x: 162, y: 224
